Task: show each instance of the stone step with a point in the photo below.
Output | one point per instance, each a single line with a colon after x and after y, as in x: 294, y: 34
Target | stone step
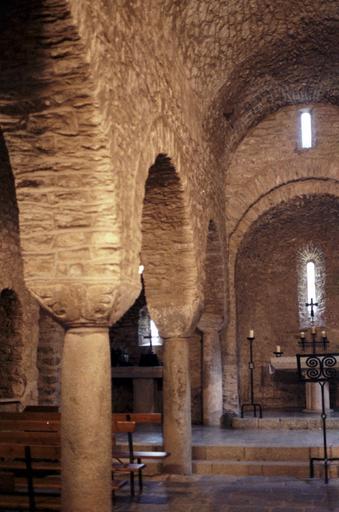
x: 289, y: 423
x: 294, y: 469
x: 264, y: 453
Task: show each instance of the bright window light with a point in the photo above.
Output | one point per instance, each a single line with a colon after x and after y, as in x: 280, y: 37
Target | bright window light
x: 306, y: 130
x: 154, y: 330
x: 310, y: 268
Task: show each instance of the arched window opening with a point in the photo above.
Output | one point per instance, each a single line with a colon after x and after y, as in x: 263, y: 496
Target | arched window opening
x: 311, y: 290
x: 306, y: 129
x: 147, y: 331
x: 311, y: 286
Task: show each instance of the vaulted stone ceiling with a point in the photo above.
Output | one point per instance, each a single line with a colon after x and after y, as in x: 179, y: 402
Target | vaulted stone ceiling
x: 248, y: 58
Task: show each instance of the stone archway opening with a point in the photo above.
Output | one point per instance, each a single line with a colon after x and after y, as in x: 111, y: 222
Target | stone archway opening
x: 267, y: 286
x: 166, y: 240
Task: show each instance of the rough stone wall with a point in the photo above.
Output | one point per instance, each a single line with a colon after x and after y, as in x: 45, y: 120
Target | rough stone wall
x: 267, y: 291
x: 51, y: 340
x: 161, y: 113
x: 19, y: 318
x: 269, y: 157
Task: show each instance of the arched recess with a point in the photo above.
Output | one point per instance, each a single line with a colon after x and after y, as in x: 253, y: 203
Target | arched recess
x: 279, y: 195
x: 268, y: 290
x: 12, y: 380
x: 211, y: 322
x: 19, y: 311
x: 168, y: 254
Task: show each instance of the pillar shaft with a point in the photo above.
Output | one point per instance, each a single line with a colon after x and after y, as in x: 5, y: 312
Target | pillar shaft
x: 177, y: 406
x: 86, y: 424
x: 212, y: 378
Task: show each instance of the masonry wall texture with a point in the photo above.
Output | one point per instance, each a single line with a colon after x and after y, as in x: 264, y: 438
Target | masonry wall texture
x: 49, y: 357
x: 18, y: 310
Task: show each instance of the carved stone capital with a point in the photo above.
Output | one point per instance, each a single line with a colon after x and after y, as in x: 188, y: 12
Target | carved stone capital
x: 176, y: 321
x: 211, y: 322
x: 85, y: 303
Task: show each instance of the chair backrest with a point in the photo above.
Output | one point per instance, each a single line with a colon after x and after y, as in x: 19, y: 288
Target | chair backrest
x: 127, y: 427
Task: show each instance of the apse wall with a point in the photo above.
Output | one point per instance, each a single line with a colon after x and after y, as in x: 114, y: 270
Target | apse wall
x: 267, y: 290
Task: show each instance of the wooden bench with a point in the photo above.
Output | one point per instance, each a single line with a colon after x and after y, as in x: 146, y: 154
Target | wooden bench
x: 30, y: 469
x: 30, y: 457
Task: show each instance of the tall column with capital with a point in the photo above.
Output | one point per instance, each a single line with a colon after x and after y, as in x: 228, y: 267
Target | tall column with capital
x: 176, y: 324
x: 177, y: 406
x: 86, y: 311
x: 86, y: 434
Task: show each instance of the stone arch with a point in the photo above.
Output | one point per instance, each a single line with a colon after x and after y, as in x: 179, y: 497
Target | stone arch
x: 277, y: 195
x: 170, y: 273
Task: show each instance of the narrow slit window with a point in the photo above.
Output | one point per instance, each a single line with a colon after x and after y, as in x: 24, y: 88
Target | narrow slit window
x: 311, y: 291
x: 306, y: 130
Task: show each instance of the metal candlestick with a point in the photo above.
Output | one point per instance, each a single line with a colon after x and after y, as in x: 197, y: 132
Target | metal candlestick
x: 314, y: 343
x: 319, y: 368
x: 252, y: 404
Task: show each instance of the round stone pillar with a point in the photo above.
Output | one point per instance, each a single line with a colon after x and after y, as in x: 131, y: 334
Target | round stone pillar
x: 177, y: 406
x: 86, y: 421
x: 212, y: 378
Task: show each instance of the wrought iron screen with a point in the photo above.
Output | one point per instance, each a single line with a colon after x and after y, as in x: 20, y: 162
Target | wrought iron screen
x: 317, y: 367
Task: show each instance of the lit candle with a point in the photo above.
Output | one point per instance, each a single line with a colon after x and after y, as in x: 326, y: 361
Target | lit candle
x: 251, y: 333
x: 278, y: 348
x: 323, y: 334
x: 313, y: 330
x: 302, y: 335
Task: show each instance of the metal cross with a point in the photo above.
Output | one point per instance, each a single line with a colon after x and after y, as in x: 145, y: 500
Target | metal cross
x: 312, y: 304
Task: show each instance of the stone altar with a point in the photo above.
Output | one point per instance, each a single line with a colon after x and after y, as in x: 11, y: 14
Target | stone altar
x: 144, y: 384
x: 312, y: 390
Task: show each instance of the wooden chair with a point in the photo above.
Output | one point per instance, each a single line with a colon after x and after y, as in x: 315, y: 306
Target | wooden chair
x: 137, y: 455
x: 131, y: 467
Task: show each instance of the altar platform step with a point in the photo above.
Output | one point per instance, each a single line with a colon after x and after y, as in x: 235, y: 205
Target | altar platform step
x: 286, y: 420
x: 249, y: 452
x: 260, y: 460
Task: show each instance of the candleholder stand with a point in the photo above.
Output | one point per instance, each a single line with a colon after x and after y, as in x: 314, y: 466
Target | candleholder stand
x: 319, y: 368
x: 252, y: 404
x: 314, y: 343
x: 278, y: 354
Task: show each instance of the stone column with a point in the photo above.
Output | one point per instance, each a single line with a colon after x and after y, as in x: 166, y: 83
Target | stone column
x: 177, y: 406
x: 86, y: 425
x: 212, y: 378
x: 313, y: 397
x: 210, y: 324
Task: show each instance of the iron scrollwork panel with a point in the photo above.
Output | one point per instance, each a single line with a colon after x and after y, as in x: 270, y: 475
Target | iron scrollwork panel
x: 317, y: 367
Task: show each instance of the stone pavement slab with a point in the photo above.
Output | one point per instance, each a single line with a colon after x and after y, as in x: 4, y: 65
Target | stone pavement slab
x: 229, y: 494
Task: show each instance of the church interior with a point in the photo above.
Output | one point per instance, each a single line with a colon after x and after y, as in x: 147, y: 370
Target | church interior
x: 169, y: 219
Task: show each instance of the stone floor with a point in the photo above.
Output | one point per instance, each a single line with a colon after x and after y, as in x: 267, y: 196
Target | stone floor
x: 229, y: 494
x: 223, y: 493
